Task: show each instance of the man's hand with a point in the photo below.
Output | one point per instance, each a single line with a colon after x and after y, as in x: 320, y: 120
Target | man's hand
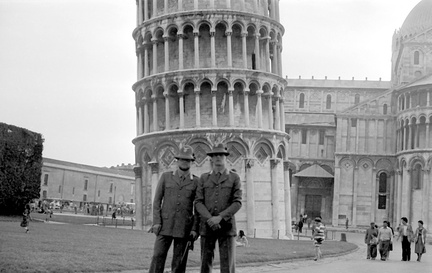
x: 193, y: 235
x: 215, y: 227
x: 215, y: 220
x: 156, y: 229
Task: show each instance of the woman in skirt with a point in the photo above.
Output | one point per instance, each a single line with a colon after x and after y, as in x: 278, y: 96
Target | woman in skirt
x: 25, y: 220
x: 420, y: 240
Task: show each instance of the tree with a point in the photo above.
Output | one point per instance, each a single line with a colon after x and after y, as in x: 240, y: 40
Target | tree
x: 20, y: 168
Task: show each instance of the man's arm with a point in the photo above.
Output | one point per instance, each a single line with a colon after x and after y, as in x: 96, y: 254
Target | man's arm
x: 236, y: 201
x: 199, y: 200
x: 157, y: 202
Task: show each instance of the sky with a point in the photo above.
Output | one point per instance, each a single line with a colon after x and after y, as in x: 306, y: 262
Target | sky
x: 67, y: 67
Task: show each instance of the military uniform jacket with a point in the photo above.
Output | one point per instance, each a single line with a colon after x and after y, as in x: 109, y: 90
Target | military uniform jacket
x: 218, y: 197
x: 173, y: 205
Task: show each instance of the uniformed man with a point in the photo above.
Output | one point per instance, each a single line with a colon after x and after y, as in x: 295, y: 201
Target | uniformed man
x: 173, y: 217
x: 218, y: 198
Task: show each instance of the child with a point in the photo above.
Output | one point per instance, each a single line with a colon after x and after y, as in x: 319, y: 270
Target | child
x: 242, y: 240
x: 373, y: 245
x: 318, y: 235
x: 25, y: 220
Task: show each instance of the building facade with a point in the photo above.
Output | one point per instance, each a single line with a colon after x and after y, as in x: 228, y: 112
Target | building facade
x: 373, y: 138
x: 210, y: 72
x: 80, y: 184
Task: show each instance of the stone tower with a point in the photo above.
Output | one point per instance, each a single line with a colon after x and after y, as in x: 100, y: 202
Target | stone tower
x: 210, y: 71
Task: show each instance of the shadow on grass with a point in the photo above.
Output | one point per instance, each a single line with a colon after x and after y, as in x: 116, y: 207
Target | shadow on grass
x: 51, y: 247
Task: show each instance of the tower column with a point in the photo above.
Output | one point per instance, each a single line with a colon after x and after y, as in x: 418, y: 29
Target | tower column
x: 282, y: 114
x: 197, y: 108
x: 140, y: 120
x: 374, y: 195
x: 428, y: 141
x: 212, y: 49
x: 246, y: 107
x: 274, y: 58
x: 146, y: 10
x: 229, y: 48
x: 259, y: 105
x: 425, y: 195
x: 250, y: 197
x: 231, y: 107
x: 180, y: 53
x: 399, y: 193
x: 146, y: 61
x: 355, y: 187
x: 267, y: 54
x: 270, y: 110
x: 146, y: 117
x: 416, y: 136
x: 214, y: 108
x: 155, y: 59
x: 140, y: 65
x: 277, y: 114
x: 196, y: 48
x: 279, y: 59
x: 405, y: 138
x: 195, y: 4
x: 244, y: 48
x: 165, y: 6
x: 166, y: 51
x: 257, y: 52
x: 167, y: 111
x: 275, y: 197
x: 336, y: 190
x: 287, y: 200
x: 181, y: 105
x: 228, y: 3
x: 154, y: 11
x: 155, y: 113
x: 410, y: 132
x: 138, y: 197
x: 140, y: 12
x: 154, y: 179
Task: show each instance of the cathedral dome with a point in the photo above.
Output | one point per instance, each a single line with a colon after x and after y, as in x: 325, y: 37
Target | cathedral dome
x: 419, y: 19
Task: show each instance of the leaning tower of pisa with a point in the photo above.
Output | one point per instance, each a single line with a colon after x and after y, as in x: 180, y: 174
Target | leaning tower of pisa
x: 210, y: 71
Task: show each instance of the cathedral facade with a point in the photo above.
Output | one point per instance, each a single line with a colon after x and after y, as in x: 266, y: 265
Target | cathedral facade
x: 362, y: 150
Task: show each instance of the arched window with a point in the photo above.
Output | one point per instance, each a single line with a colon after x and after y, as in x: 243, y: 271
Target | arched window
x: 328, y: 102
x: 416, y: 57
x: 416, y: 177
x: 357, y: 99
x: 382, y: 191
x: 385, y: 109
x: 302, y: 100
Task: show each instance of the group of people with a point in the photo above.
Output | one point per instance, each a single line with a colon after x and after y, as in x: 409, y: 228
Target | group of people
x: 186, y: 207
x: 382, y: 239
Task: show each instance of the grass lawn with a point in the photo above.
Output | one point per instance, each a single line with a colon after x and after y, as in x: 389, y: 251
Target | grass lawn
x: 53, y: 247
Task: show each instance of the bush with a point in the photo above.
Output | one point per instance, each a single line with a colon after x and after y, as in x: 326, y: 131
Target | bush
x: 20, y: 168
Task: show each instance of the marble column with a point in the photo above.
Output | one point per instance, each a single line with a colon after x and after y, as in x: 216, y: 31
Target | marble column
x: 246, y: 107
x: 282, y: 114
x: 146, y: 117
x: 250, y: 197
x: 410, y: 132
x: 146, y: 61
x: 138, y: 197
x: 165, y: 6
x: 166, y: 52
x: 428, y: 139
x: 374, y: 195
x: 336, y: 190
x: 196, y: 48
x: 399, y: 193
x: 139, y: 13
x: 180, y: 53
x: 140, y: 120
x: 154, y: 179
x: 154, y: 8
x: 275, y: 197
x: 139, y: 65
x: 229, y: 48
x: 155, y: 58
x: 231, y: 107
x: 425, y: 195
x: 355, y: 191
x: 287, y: 201
x: 167, y: 111
x: 244, y: 49
x: 146, y: 10
x: 294, y: 194
x: 416, y: 136
x: 155, y: 113
x: 197, y: 108
x: 257, y: 52
x: 214, y: 108
x: 267, y: 54
x: 274, y: 66
x: 228, y: 3
x: 277, y: 114
x: 181, y: 106
x: 259, y: 105
x: 212, y: 49
x: 270, y: 110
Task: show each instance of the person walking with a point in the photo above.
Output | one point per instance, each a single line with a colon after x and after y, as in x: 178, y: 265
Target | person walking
x: 318, y: 235
x: 300, y: 225
x: 420, y: 240
x: 405, y: 231
x: 26, y: 218
x: 217, y: 200
x: 385, y: 238
x: 391, y: 243
x: 370, y: 232
x: 173, y: 214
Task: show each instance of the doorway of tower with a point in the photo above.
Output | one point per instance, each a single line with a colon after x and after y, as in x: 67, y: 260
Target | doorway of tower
x: 313, y: 205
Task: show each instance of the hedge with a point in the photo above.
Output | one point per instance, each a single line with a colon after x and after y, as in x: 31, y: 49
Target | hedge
x: 20, y: 168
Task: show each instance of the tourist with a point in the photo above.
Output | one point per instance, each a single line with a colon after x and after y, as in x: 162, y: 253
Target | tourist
x: 368, y: 237
x: 26, y: 218
x: 406, y: 232
x: 420, y: 240
x: 218, y: 200
x: 242, y: 240
x: 391, y: 243
x: 385, y: 238
x: 173, y: 218
x: 318, y: 235
x: 373, y: 244
x: 300, y: 225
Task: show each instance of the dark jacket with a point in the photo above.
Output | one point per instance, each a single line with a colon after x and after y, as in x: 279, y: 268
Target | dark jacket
x: 173, y: 205
x: 218, y: 197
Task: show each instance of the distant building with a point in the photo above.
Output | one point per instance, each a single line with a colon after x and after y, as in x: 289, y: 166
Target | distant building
x: 80, y: 183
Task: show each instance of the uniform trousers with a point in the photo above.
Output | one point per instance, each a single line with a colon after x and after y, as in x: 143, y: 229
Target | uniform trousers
x: 227, y: 247
x: 406, y: 249
x: 161, y: 247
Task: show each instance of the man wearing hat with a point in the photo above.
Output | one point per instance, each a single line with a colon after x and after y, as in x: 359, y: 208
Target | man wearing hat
x: 218, y: 198
x: 173, y: 217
